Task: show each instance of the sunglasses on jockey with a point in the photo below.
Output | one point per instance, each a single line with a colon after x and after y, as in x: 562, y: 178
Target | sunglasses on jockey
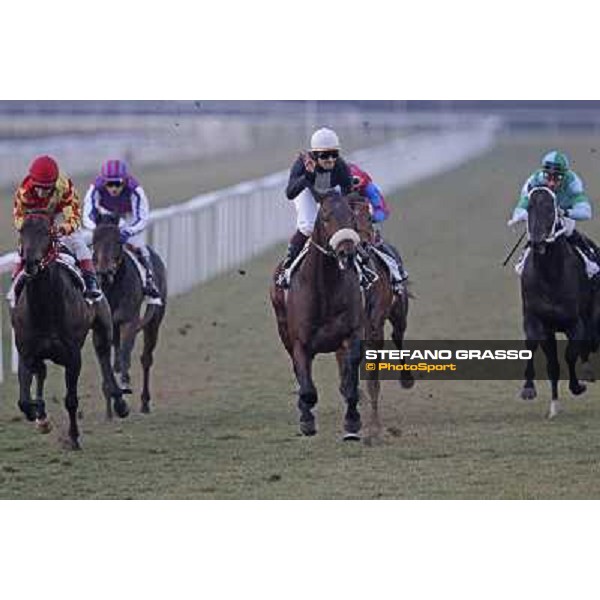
x: 326, y: 154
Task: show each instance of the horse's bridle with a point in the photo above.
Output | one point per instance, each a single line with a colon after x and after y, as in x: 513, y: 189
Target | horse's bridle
x: 53, y: 250
x: 341, y: 235
x: 554, y: 232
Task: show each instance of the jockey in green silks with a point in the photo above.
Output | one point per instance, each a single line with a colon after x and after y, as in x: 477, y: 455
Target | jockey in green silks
x: 573, y: 203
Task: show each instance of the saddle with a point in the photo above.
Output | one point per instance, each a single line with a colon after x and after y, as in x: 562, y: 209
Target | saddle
x: 590, y: 256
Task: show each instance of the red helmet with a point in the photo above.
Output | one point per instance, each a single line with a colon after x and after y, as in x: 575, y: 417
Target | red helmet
x: 44, y: 171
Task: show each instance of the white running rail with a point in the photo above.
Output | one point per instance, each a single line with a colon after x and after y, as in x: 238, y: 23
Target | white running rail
x: 215, y: 232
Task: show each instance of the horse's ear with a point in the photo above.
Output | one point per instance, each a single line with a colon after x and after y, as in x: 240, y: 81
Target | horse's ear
x: 108, y: 219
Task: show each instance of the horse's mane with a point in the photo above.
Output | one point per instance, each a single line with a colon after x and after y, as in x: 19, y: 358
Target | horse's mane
x: 106, y: 232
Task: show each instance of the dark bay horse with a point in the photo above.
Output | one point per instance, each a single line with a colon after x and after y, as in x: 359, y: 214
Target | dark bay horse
x: 122, y: 284
x: 382, y: 305
x: 556, y: 296
x: 51, y: 320
x: 323, y: 311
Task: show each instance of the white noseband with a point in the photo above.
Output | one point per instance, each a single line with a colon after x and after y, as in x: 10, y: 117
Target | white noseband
x: 344, y: 235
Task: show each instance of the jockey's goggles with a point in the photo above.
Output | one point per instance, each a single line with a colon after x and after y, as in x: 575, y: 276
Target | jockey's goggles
x: 43, y: 191
x: 325, y: 154
x: 356, y: 181
x: 554, y: 175
x: 114, y: 183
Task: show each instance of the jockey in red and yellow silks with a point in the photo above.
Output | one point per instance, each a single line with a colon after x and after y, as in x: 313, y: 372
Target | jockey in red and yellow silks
x: 46, y: 189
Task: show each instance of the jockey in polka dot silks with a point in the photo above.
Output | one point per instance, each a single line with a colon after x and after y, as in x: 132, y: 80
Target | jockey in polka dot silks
x: 116, y: 192
x: 573, y: 203
x: 46, y: 188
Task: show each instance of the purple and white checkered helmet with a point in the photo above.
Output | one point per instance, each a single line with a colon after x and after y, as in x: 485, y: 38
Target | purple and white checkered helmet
x: 114, y: 169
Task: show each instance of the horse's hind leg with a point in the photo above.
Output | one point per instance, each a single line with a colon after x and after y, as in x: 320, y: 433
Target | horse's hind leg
x: 42, y: 423
x: 72, y: 371
x: 553, y: 368
x: 150, y: 339
x: 25, y: 404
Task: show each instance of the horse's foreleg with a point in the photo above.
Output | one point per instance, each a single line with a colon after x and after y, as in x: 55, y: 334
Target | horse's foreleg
x: 150, y: 339
x: 25, y: 379
x: 102, y: 331
x: 116, y: 348
x: 42, y: 422
x: 374, y: 335
x: 307, y: 395
x: 576, y: 346
x: 553, y: 369
x: 533, y: 333
x: 528, y: 391
x: 72, y: 371
x: 398, y: 318
x: 127, y: 335
x: 349, y: 361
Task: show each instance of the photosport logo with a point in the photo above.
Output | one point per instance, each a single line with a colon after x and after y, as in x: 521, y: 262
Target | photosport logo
x: 454, y: 360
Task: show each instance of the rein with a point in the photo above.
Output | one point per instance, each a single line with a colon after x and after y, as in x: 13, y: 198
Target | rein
x: 321, y: 249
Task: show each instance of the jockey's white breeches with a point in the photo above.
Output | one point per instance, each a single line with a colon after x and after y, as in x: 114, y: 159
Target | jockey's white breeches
x: 306, y: 212
x: 76, y: 244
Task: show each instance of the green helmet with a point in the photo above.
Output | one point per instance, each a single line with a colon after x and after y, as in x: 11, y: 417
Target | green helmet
x: 556, y: 162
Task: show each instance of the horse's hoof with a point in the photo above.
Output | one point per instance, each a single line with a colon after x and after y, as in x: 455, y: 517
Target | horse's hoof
x: 352, y: 426
x: 407, y: 383
x: 351, y: 437
x: 145, y: 409
x: 555, y: 409
x: 587, y: 372
x: 577, y: 388
x: 71, y: 444
x: 308, y: 428
x: 43, y: 425
x: 121, y: 408
x: 28, y: 411
x: 528, y: 393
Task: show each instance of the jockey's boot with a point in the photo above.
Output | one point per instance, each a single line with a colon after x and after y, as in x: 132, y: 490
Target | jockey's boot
x: 590, y: 250
x: 293, y: 250
x: 391, y: 251
x: 92, y: 290
x: 150, y: 288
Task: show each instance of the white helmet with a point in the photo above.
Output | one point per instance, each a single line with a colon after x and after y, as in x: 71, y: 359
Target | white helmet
x: 324, y: 139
